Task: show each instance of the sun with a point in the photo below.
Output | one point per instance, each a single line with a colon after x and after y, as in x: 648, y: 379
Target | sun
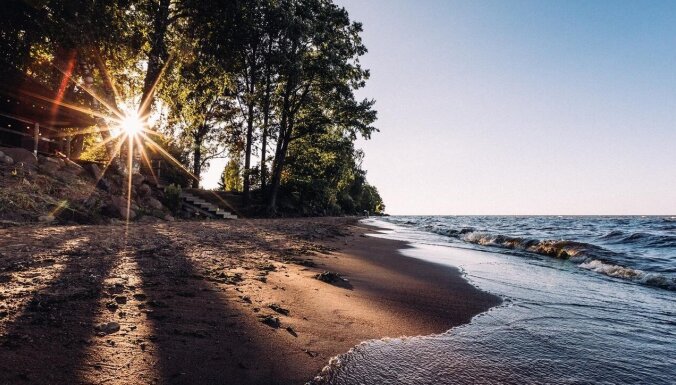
x: 131, y: 125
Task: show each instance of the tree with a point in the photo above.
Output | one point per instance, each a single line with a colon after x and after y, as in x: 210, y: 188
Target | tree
x: 319, y: 71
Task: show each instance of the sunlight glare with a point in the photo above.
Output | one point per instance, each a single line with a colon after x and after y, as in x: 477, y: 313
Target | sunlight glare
x: 131, y: 125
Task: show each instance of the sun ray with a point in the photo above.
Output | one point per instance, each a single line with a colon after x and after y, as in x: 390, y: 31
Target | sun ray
x: 167, y: 155
x: 145, y: 104
x: 108, y: 106
x: 146, y: 159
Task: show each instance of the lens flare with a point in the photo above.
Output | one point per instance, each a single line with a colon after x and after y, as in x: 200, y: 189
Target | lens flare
x: 131, y: 125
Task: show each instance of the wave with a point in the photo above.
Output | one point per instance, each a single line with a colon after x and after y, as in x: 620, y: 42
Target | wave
x: 641, y: 238
x: 639, y: 247
x: 651, y: 279
x: 562, y: 249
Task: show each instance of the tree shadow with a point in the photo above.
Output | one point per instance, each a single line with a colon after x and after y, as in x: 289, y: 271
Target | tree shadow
x: 47, y: 342
x: 198, y: 336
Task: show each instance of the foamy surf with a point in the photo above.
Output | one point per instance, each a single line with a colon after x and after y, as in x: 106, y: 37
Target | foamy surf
x: 560, y: 325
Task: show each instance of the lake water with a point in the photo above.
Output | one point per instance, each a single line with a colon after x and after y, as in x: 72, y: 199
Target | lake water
x: 586, y: 300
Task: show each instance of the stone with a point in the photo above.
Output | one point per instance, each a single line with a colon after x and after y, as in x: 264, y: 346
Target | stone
x: 330, y: 277
x: 144, y: 190
x: 140, y: 296
x: 169, y: 218
x: 278, y: 309
x: 120, y: 205
x: 107, y: 328
x: 137, y: 179
x: 154, y: 203
x: 49, y: 168
x: 271, y: 321
x: 20, y: 155
x: 93, y: 170
x: 7, y: 159
x: 121, y: 299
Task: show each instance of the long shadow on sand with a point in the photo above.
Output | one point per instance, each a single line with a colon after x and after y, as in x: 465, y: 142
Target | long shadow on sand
x: 47, y: 342
x: 198, y: 337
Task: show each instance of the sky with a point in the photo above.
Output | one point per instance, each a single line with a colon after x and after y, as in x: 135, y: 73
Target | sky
x: 521, y: 107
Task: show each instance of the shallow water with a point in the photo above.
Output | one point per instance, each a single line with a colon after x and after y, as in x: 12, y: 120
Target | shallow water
x: 561, y: 323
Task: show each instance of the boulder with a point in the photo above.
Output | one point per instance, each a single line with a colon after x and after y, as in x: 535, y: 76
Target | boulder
x: 49, y: 168
x: 120, y: 207
x: 137, y: 179
x: 144, y: 190
x: 154, y: 204
x: 93, y: 170
x: 20, y: 155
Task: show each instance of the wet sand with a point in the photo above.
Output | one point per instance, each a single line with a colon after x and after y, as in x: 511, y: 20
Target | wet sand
x: 190, y: 298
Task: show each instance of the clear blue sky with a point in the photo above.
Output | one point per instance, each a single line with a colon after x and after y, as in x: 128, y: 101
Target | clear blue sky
x: 522, y: 107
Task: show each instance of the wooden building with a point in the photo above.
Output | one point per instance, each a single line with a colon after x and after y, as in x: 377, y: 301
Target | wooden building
x: 29, y: 117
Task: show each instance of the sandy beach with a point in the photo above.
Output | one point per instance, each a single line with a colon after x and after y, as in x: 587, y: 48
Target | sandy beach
x: 210, y: 302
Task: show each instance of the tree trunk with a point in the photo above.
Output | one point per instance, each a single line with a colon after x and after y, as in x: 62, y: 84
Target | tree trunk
x: 266, y: 117
x: 285, y: 129
x: 247, y: 153
x: 197, y: 165
x: 157, y: 57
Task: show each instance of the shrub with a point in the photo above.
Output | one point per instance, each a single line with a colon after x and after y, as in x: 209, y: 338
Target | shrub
x: 172, y: 197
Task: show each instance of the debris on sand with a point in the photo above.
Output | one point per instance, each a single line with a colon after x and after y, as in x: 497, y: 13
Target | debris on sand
x: 330, y: 277
x: 278, y: 309
x: 271, y: 321
x: 107, y: 328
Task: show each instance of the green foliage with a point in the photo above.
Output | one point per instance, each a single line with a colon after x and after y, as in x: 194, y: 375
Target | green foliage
x: 231, y: 178
x: 277, y: 77
x: 172, y: 197
x: 323, y: 177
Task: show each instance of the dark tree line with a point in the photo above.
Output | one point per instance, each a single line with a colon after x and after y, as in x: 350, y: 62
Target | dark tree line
x: 270, y: 84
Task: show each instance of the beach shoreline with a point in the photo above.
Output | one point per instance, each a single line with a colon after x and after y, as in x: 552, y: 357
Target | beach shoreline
x: 201, y: 302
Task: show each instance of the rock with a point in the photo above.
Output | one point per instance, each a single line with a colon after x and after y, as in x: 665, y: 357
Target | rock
x: 270, y: 321
x: 107, y: 328
x: 154, y: 203
x: 330, y: 277
x: 6, y: 159
x: 137, y: 179
x: 48, y: 159
x: 120, y: 207
x: 93, y: 170
x: 20, y: 155
x: 3, y: 314
x: 121, y: 299
x: 112, y: 306
x: 46, y: 218
x: 49, y: 168
x: 291, y: 331
x: 169, y: 218
x: 140, y: 296
x: 144, y: 190
x: 278, y: 309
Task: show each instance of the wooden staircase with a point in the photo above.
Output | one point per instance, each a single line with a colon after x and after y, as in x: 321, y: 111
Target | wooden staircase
x: 202, y: 207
